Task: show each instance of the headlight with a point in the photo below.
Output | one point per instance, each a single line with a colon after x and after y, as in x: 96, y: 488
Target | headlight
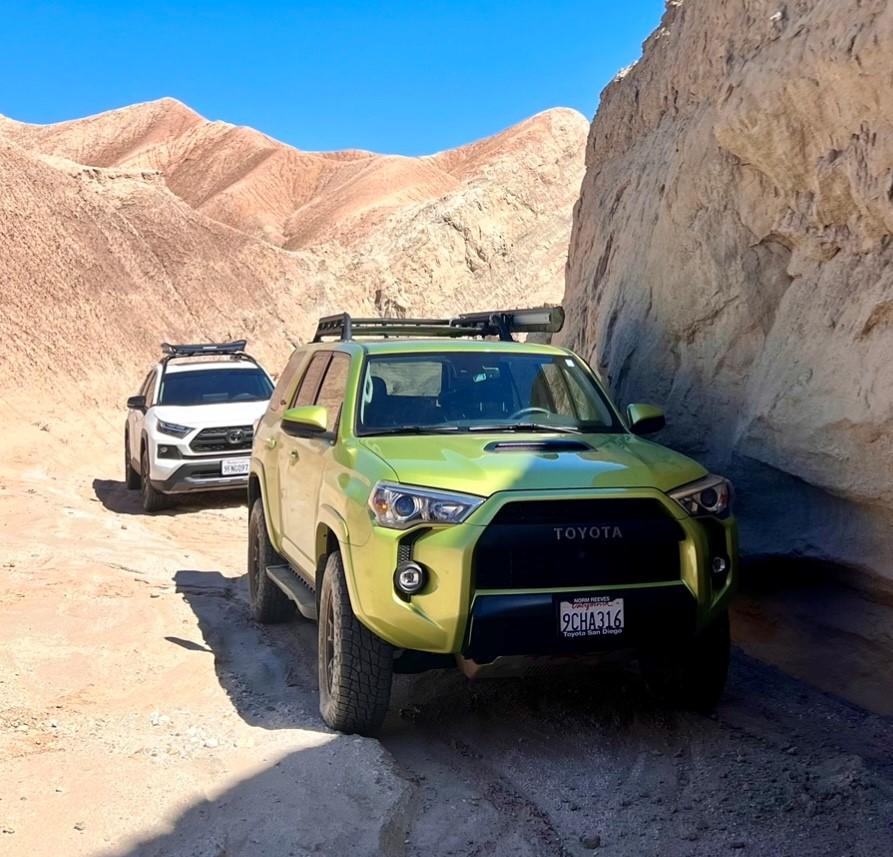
x: 708, y: 496
x: 402, y: 506
x: 173, y: 429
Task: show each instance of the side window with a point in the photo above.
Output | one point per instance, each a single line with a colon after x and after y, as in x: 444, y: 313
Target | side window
x: 331, y: 393
x: 144, y: 387
x: 280, y: 393
x: 149, y: 389
x: 306, y: 392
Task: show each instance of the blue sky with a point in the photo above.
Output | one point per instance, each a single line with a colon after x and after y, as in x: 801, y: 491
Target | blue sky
x: 405, y: 77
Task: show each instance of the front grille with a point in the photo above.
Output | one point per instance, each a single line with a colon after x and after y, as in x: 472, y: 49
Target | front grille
x: 212, y: 471
x: 558, y: 543
x: 223, y: 439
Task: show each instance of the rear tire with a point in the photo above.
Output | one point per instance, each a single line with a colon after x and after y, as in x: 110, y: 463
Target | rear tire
x: 695, y: 676
x: 153, y: 501
x: 267, y: 602
x: 131, y: 476
x: 355, y: 666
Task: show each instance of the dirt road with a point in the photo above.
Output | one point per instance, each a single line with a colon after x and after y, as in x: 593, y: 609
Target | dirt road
x: 141, y: 713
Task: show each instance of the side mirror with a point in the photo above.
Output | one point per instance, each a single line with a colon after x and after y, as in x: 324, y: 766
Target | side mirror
x: 645, y: 419
x: 305, y: 420
x: 136, y: 403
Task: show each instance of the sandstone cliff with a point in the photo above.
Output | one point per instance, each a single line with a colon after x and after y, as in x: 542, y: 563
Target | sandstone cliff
x: 150, y: 223
x: 732, y: 258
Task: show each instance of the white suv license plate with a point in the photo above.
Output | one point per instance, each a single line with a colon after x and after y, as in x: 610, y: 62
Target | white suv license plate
x: 234, y: 467
x: 590, y: 616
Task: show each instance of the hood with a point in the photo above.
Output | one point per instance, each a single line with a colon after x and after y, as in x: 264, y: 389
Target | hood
x: 485, y: 463
x: 209, y: 416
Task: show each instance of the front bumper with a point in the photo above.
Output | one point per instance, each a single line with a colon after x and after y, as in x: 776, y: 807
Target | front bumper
x: 453, y: 614
x: 526, y: 623
x: 176, y: 468
x: 198, y: 476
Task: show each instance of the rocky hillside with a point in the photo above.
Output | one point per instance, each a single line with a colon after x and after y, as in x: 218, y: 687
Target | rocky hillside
x: 732, y: 258
x: 150, y: 223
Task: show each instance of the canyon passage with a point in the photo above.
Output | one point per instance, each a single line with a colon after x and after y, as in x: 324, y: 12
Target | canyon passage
x: 720, y: 237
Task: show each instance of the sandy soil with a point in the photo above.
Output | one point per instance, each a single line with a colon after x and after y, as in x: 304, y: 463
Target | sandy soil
x: 141, y: 713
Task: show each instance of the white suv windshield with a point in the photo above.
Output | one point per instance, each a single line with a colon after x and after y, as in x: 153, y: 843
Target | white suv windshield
x: 477, y: 391
x: 214, y: 386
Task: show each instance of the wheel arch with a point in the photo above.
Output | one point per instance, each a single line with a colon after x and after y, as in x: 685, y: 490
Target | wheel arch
x: 257, y: 490
x: 331, y: 536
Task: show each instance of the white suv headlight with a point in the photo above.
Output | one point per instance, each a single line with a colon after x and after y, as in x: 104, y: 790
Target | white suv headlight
x: 174, y: 429
x: 402, y: 506
x: 711, y: 495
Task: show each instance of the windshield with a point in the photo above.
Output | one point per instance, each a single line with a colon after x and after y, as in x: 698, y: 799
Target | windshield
x: 480, y: 391
x: 214, y: 387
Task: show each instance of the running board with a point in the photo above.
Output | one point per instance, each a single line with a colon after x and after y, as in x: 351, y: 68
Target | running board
x: 294, y: 588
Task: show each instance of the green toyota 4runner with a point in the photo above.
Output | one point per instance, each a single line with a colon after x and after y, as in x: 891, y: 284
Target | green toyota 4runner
x: 436, y: 493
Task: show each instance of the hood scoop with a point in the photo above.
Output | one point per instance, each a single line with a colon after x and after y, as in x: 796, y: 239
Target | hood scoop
x: 538, y: 446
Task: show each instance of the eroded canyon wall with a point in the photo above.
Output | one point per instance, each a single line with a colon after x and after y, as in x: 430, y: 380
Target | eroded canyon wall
x: 732, y: 259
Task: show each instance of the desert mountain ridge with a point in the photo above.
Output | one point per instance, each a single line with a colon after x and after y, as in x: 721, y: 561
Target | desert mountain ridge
x: 150, y: 223
x: 250, y: 181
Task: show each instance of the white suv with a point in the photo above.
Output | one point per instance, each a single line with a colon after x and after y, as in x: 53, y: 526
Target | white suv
x: 191, y: 425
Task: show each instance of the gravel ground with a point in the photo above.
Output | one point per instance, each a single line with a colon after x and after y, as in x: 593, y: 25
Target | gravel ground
x: 143, y: 714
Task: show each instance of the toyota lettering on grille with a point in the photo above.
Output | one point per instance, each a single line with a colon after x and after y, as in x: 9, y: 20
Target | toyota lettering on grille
x: 591, y: 533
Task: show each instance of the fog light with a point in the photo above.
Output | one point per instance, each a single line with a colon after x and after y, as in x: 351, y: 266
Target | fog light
x: 719, y: 565
x: 409, y: 578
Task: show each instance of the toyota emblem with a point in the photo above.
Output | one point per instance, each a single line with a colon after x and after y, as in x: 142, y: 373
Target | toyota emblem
x: 235, y: 436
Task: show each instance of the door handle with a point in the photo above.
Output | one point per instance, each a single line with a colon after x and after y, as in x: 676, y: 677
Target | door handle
x: 294, y: 456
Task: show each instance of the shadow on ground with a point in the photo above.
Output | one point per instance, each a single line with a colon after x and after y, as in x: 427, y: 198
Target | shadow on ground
x: 268, y: 672
x: 825, y: 624
x: 116, y: 497
x: 334, y: 796
x: 525, y: 767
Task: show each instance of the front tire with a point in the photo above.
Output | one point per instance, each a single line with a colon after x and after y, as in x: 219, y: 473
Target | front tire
x: 695, y: 676
x: 131, y: 476
x: 355, y: 666
x: 153, y: 501
x: 267, y: 602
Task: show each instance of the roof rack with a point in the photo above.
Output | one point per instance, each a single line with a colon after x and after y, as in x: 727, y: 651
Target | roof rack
x: 235, y: 349
x: 501, y: 323
x: 197, y: 349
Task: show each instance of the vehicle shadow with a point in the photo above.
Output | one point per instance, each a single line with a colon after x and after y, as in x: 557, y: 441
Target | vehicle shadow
x: 824, y: 623
x: 331, y: 795
x: 116, y: 497
x: 268, y: 672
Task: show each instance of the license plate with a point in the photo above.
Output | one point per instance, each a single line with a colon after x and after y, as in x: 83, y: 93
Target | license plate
x: 590, y: 616
x: 234, y: 467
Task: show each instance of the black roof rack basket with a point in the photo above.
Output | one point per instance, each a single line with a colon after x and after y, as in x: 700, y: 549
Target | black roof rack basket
x: 235, y: 350
x: 501, y: 323
x: 201, y: 348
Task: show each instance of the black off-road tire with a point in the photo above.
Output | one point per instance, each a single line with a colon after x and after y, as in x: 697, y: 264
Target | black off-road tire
x: 131, y: 476
x: 152, y: 500
x: 355, y: 666
x: 695, y: 676
x: 267, y: 602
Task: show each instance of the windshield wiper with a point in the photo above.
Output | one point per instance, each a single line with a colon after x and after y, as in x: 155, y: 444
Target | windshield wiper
x: 522, y: 427
x: 412, y: 430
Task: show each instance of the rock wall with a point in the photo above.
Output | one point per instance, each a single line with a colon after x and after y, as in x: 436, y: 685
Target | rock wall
x: 732, y: 259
